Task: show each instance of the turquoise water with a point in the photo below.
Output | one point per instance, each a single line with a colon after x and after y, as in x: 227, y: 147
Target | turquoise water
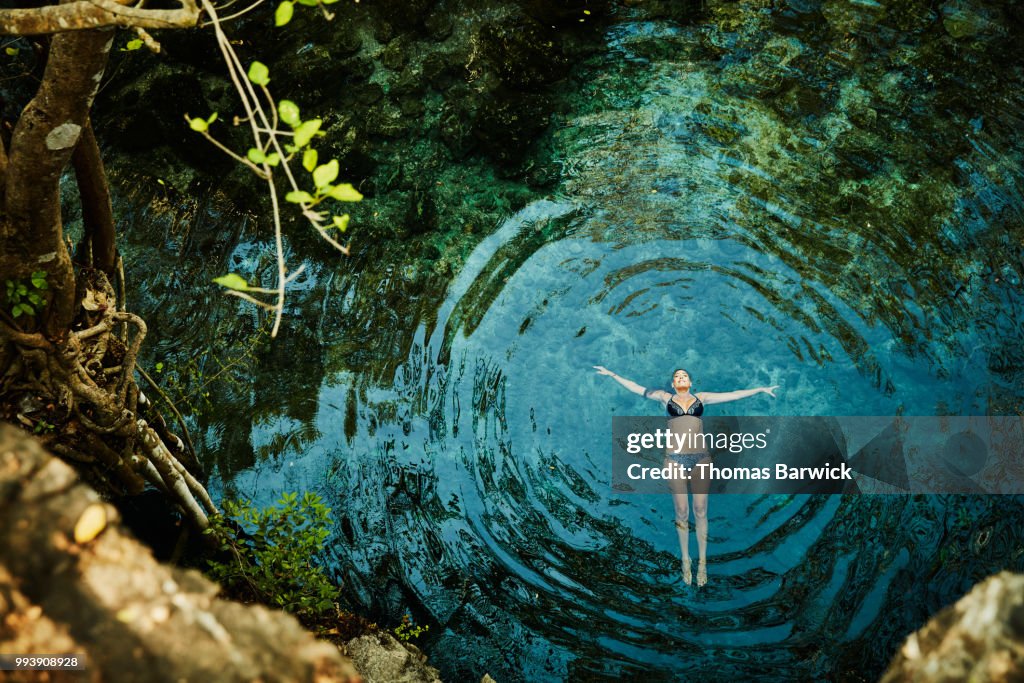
x: 822, y: 198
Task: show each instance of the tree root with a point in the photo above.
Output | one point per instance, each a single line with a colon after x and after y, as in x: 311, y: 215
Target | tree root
x: 87, y: 379
x: 170, y: 472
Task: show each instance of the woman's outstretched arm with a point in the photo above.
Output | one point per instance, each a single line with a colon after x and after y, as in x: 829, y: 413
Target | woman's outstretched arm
x: 725, y: 397
x: 629, y: 384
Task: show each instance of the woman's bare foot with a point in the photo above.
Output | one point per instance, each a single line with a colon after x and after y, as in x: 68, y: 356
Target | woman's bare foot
x: 687, y: 577
x: 702, y: 573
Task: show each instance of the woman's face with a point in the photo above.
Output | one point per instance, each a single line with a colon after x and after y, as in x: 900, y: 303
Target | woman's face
x: 681, y: 380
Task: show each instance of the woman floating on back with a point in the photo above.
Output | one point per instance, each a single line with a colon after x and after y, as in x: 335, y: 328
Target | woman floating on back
x: 684, y: 411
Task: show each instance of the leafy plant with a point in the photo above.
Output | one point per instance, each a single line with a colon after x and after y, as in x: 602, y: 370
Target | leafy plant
x: 284, y: 12
x: 26, y: 297
x: 409, y: 629
x: 272, y: 555
x: 280, y: 135
x: 43, y: 427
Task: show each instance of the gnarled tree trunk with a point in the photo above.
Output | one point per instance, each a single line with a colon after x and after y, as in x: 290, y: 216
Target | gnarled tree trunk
x: 44, y: 138
x: 67, y: 351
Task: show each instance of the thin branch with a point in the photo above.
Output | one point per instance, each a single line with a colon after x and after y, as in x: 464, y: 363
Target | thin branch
x: 233, y: 68
x: 240, y: 159
x: 174, y: 409
x: 273, y: 110
x: 252, y: 300
x: 90, y: 14
x: 260, y: 124
x: 122, y: 304
x: 327, y: 15
x: 3, y: 166
x: 149, y: 41
x: 278, y: 243
x: 236, y: 14
x: 253, y: 109
x: 327, y: 238
x: 286, y: 133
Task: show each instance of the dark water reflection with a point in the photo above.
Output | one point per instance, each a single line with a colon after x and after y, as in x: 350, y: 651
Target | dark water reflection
x: 814, y: 196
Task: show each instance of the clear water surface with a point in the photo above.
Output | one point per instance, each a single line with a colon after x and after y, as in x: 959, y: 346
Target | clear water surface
x: 799, y: 194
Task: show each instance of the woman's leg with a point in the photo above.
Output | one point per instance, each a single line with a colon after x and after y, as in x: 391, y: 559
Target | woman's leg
x: 679, y: 500
x: 700, y: 516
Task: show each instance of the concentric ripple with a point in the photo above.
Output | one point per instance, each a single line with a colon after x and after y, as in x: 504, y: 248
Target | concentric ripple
x: 766, y: 197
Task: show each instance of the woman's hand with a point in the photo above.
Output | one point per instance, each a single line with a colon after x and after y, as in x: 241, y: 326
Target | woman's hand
x: 770, y: 390
x: 629, y: 384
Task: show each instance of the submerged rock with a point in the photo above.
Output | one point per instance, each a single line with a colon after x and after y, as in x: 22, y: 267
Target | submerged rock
x: 845, y: 16
x: 967, y: 20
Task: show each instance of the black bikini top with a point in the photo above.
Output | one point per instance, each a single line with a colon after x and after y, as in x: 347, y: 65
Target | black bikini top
x: 696, y: 408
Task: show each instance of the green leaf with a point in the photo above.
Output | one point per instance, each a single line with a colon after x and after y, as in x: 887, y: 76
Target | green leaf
x: 341, y: 222
x: 16, y: 311
x: 289, y: 112
x: 309, y: 159
x: 273, y: 159
x: 298, y: 197
x: 284, y: 13
x: 213, y: 117
x: 345, y: 193
x: 255, y: 155
x: 133, y: 45
x: 259, y: 74
x: 11, y: 51
x: 232, y: 281
x: 308, y: 3
x: 197, y: 124
x: 305, y: 132
x: 326, y: 174
x: 159, y: 367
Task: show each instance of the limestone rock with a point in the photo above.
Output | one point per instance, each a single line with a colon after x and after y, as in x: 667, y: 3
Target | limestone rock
x: 980, y: 638
x: 105, y: 596
x: 381, y: 658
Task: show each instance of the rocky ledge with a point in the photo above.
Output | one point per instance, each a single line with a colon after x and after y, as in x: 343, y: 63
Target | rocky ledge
x: 980, y: 638
x: 72, y: 582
